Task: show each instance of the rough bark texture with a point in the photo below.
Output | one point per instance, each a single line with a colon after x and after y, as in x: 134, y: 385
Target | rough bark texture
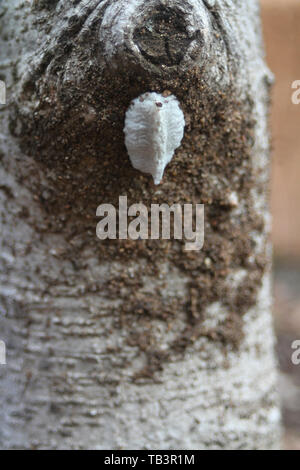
x: 134, y: 344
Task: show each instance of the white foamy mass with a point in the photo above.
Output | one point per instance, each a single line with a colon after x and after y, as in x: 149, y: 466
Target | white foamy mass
x: 154, y: 129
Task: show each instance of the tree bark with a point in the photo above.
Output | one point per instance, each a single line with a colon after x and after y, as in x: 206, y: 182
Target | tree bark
x: 134, y: 344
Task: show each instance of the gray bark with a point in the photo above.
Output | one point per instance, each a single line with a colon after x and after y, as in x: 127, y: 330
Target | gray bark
x: 134, y: 344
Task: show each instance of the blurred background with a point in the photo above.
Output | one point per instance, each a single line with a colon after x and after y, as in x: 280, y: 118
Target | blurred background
x: 281, y: 23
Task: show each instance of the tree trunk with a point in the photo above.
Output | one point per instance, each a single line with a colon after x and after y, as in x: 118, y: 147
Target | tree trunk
x: 122, y: 344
